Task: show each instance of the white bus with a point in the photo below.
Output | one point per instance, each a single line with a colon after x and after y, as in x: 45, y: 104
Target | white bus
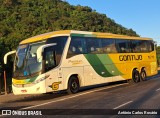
x: 68, y: 60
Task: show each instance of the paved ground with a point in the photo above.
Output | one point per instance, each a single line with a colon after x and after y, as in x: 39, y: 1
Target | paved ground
x: 92, y: 102
x: 11, y: 97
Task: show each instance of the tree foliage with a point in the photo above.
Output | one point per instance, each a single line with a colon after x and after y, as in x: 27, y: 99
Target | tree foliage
x: 21, y: 19
x: 158, y: 54
x: 158, y: 49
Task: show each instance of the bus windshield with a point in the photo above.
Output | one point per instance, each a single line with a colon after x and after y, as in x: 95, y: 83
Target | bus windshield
x: 26, y: 63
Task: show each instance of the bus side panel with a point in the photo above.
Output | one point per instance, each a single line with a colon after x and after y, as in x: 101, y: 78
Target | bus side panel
x: 69, y: 71
x: 100, y: 69
x: 52, y: 82
x: 87, y: 73
x: 126, y: 62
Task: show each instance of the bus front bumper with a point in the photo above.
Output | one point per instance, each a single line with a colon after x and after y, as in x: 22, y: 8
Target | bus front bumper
x: 38, y: 88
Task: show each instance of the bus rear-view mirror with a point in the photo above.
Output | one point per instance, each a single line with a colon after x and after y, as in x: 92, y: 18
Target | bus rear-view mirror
x: 40, y: 50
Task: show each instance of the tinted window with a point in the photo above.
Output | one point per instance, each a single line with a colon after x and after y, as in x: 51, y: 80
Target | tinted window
x: 142, y: 46
x: 94, y: 46
x: 77, y: 46
x: 49, y: 57
x: 60, y: 41
x: 123, y: 46
x: 90, y: 45
x: 136, y: 46
x: 150, y: 46
x: 108, y: 46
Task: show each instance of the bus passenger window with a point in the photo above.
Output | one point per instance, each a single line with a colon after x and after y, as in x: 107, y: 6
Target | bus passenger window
x: 94, y: 46
x: 150, y: 46
x: 135, y: 44
x: 61, y: 42
x: 108, y: 46
x: 123, y: 46
x: 72, y: 49
x: 76, y: 46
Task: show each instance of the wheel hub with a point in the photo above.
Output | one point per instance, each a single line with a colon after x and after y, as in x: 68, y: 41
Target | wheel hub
x: 74, y: 85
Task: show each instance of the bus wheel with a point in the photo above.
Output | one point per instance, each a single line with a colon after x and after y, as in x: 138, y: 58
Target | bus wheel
x: 73, y: 85
x: 143, y: 75
x: 135, y: 76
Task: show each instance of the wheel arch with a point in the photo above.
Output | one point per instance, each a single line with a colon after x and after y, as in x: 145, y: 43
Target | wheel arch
x: 143, y: 74
x: 133, y: 75
x: 143, y: 67
x: 78, y: 76
x: 134, y: 70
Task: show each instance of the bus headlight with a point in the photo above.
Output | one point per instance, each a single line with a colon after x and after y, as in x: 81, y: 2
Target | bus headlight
x: 41, y: 79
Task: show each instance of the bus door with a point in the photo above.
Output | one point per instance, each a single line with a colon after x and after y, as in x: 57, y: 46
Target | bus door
x: 49, y: 68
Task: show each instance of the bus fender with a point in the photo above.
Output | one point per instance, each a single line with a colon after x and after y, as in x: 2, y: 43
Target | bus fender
x: 73, y: 74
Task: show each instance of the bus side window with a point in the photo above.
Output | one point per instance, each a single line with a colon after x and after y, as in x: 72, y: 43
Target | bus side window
x: 150, y: 46
x: 135, y: 45
x: 94, y: 46
x: 72, y: 50
x: 49, y: 59
x: 123, y: 45
x: 143, y: 46
x: 76, y: 46
x: 108, y: 46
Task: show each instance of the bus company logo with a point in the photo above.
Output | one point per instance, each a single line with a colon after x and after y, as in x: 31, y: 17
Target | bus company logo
x: 55, y: 85
x: 130, y: 57
x: 24, y: 91
x: 6, y: 112
x: 75, y: 62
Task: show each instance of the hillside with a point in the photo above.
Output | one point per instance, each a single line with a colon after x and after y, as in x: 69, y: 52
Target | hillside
x: 21, y: 19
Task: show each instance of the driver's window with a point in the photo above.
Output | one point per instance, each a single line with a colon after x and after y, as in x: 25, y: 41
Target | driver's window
x: 49, y: 60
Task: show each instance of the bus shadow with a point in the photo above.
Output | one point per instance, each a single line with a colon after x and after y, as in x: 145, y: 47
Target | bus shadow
x: 40, y: 97
x: 87, y: 88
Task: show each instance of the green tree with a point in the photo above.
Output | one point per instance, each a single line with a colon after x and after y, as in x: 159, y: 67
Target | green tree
x: 21, y: 19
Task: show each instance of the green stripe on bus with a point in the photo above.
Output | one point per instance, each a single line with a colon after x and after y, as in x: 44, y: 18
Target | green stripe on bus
x: 103, y: 65
x: 32, y: 79
x: 109, y: 65
x: 83, y: 35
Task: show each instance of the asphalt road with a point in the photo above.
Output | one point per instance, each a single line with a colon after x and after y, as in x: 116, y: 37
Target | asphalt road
x: 111, y: 100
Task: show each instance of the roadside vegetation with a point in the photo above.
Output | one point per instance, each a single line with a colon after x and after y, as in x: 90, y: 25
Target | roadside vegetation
x: 21, y: 19
x: 158, y: 55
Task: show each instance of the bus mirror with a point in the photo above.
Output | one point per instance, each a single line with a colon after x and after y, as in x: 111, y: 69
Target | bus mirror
x: 7, y: 54
x: 41, y: 49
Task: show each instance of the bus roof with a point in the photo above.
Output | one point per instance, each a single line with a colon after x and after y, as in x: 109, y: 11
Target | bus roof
x: 79, y: 33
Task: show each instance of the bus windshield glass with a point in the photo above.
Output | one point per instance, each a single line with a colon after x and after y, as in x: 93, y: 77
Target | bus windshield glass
x: 26, y: 63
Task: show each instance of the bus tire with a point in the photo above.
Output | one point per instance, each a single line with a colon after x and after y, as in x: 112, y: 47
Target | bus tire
x: 143, y: 75
x: 135, y: 76
x: 73, y: 85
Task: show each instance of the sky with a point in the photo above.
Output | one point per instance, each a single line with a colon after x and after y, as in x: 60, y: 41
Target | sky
x: 143, y: 16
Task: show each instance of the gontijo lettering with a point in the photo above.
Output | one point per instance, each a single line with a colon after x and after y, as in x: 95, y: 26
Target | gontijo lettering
x: 130, y: 57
